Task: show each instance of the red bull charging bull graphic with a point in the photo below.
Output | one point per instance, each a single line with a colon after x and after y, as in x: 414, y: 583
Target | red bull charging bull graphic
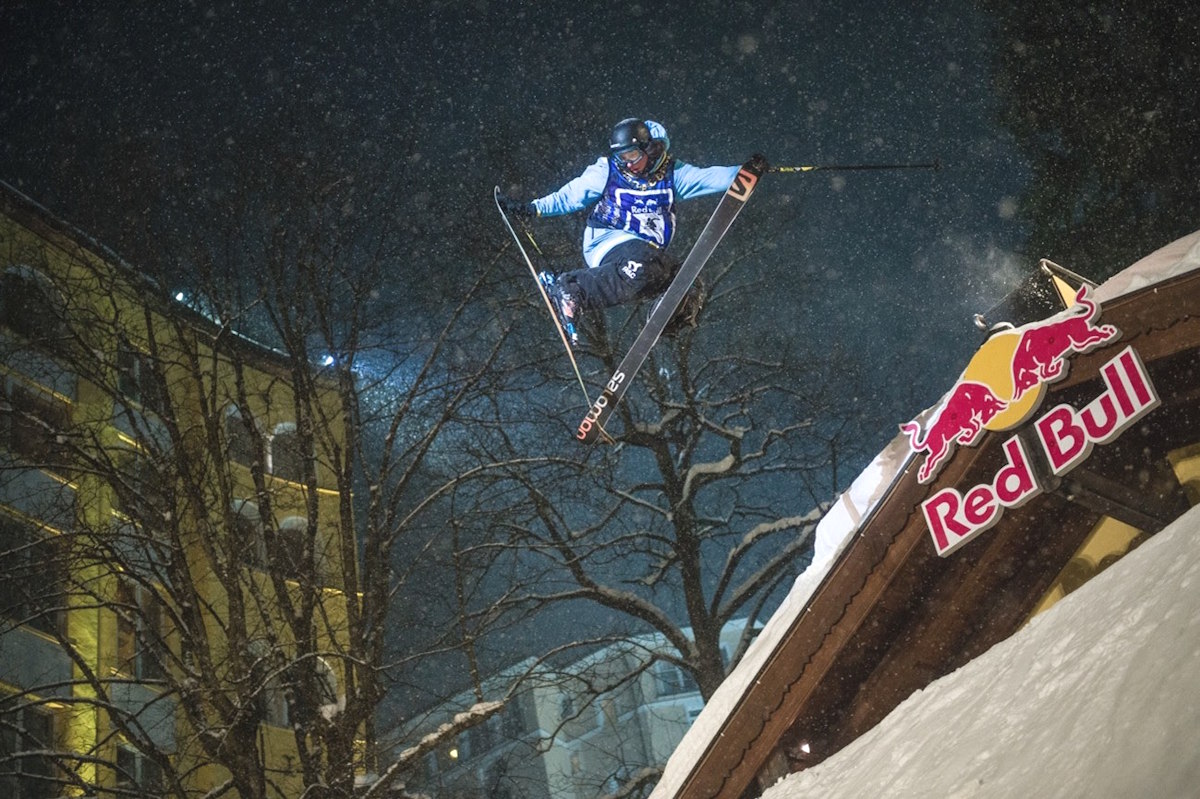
x: 1040, y: 353
x: 1005, y: 381
x: 960, y: 420
x: 1000, y: 389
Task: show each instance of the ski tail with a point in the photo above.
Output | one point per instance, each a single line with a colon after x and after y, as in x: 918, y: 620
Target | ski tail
x: 730, y: 205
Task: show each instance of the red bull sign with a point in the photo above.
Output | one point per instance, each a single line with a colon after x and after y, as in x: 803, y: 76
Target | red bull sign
x: 1001, y: 388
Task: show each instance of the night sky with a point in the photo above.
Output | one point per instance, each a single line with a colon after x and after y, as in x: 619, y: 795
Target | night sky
x: 462, y: 96
x: 122, y: 118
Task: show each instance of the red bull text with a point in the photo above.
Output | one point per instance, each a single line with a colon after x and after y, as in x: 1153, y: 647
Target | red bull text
x: 954, y: 518
x: 1065, y: 436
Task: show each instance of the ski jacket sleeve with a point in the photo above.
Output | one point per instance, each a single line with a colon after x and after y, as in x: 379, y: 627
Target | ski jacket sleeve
x: 694, y: 181
x: 577, y: 194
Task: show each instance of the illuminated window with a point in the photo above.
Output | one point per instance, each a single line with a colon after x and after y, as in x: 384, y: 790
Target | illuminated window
x: 26, y: 734
x: 140, y: 633
x: 32, y: 425
x: 31, y: 307
x: 136, y: 772
x: 287, y: 456
x: 32, y: 576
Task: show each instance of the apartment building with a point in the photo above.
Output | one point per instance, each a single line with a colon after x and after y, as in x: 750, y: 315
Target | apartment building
x: 583, y: 728
x: 173, y: 592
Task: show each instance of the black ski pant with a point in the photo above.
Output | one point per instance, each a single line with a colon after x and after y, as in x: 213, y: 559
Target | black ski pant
x: 629, y: 271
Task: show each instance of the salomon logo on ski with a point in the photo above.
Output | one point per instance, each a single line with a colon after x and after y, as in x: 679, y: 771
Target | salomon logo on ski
x: 588, y: 427
x: 743, y: 184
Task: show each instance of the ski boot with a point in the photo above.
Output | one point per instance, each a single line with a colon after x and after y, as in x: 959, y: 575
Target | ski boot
x: 686, y: 315
x: 565, y: 305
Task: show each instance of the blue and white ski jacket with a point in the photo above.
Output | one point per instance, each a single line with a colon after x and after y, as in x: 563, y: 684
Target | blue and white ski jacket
x: 629, y: 208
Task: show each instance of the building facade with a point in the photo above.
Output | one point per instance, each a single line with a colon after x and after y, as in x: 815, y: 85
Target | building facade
x: 173, y: 578
x: 588, y: 728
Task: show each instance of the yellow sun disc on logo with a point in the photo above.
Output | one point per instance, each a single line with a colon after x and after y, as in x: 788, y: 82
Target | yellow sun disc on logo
x: 992, y: 366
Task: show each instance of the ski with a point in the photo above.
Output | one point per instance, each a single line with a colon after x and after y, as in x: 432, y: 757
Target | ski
x: 562, y: 333
x: 722, y: 217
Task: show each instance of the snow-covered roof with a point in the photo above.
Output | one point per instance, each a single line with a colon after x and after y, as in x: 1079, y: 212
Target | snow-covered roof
x: 1181, y: 255
x: 848, y: 516
x: 1087, y: 700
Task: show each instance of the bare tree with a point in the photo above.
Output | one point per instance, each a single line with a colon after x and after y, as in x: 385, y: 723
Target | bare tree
x: 217, y: 484
x: 727, y: 451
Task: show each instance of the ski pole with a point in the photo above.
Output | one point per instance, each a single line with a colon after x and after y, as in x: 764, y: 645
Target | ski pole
x: 844, y: 167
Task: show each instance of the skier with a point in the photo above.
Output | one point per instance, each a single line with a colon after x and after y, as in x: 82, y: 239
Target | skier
x: 632, y: 194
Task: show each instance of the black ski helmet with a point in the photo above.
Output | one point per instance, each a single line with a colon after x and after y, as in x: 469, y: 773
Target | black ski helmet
x: 629, y: 134
x: 635, y: 149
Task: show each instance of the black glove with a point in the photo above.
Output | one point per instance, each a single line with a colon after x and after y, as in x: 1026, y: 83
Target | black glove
x: 758, y: 162
x: 516, y: 207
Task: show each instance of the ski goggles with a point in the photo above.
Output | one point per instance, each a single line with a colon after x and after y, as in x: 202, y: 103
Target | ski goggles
x: 630, y: 154
x: 637, y: 158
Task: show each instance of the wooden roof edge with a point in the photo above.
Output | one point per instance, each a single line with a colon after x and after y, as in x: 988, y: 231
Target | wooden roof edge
x: 743, y: 703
